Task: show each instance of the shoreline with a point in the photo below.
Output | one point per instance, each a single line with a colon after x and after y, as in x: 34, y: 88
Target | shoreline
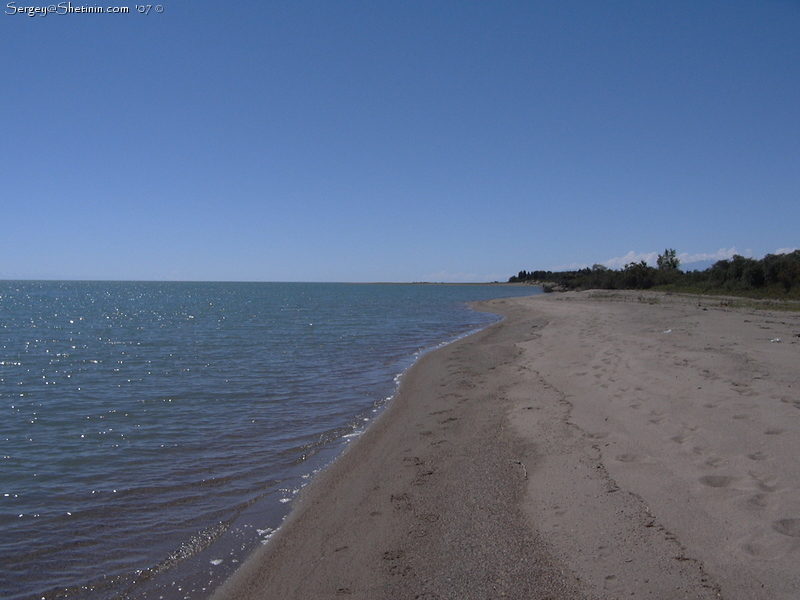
x: 371, y: 525
x: 512, y: 462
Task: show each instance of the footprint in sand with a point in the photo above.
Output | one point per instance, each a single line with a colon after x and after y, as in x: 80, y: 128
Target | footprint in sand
x: 757, y: 550
x: 430, y: 517
x: 717, y: 481
x: 603, y: 551
x: 402, y: 570
x: 422, y: 477
x: 788, y: 527
x: 402, y: 502
x: 766, y: 484
x: 628, y: 458
x: 611, y: 583
x: 758, y: 456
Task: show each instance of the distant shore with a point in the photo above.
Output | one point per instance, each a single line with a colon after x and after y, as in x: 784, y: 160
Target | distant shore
x: 503, y: 283
x: 590, y: 445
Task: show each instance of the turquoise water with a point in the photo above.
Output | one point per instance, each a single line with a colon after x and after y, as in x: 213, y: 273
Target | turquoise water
x: 152, y: 434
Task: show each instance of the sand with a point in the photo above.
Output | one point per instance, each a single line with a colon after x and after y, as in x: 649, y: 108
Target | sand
x: 591, y: 445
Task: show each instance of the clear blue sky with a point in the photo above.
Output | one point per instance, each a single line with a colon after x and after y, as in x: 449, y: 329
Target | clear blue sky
x: 401, y: 141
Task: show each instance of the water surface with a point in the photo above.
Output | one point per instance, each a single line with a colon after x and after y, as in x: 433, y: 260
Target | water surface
x: 152, y: 434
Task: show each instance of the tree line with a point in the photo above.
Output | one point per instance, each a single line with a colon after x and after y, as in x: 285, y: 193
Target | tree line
x: 775, y: 275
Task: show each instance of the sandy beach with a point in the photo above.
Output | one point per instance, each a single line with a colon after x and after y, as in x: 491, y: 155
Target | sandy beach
x: 590, y: 445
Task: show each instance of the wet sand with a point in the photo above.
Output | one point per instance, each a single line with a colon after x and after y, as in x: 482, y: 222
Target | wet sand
x: 591, y: 445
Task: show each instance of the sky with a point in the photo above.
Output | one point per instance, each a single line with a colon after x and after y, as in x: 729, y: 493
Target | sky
x: 394, y: 141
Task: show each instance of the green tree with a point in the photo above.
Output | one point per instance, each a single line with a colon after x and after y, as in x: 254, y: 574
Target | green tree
x: 638, y: 276
x: 669, y: 261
